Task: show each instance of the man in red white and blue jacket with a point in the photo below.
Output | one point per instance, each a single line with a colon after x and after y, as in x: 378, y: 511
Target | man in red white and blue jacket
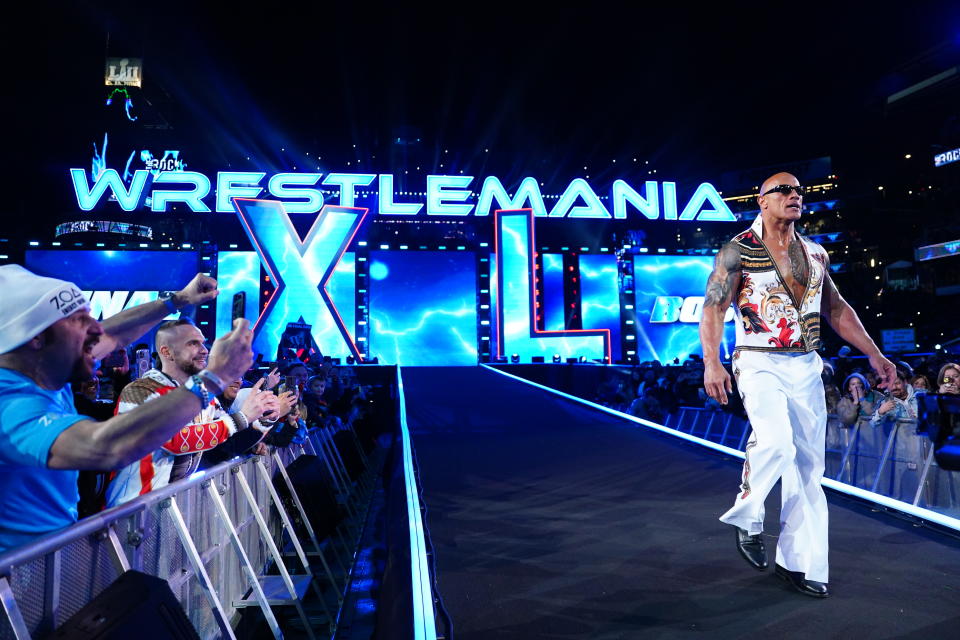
x: 182, y: 351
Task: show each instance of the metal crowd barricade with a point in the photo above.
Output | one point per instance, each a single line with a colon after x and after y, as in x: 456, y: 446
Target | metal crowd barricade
x: 890, y: 459
x: 721, y: 427
x: 895, y: 460
x: 211, y: 536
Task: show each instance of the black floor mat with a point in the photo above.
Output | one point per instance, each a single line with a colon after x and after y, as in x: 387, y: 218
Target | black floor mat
x: 554, y: 520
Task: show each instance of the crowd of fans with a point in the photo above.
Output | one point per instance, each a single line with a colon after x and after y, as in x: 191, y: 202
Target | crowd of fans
x: 89, y: 423
x: 852, y: 394
x: 273, y: 404
x: 653, y: 391
x: 74, y: 398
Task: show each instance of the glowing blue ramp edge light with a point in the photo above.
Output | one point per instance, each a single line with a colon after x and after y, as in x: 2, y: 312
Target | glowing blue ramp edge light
x: 424, y: 624
x: 863, y: 494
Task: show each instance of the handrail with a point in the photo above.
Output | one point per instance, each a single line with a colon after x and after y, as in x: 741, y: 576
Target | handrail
x: 203, y: 535
x: 36, y: 607
x: 97, y: 522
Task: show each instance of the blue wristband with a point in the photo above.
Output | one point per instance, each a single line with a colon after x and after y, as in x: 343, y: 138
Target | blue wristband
x: 213, y: 380
x: 168, y: 302
x: 195, y: 386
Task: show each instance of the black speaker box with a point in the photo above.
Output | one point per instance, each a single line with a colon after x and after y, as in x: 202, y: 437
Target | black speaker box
x: 136, y: 605
x: 313, y: 487
x: 349, y: 453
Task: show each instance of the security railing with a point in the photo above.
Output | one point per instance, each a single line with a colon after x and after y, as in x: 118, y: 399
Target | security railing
x: 893, y: 459
x: 721, y: 427
x: 890, y: 459
x: 212, y: 537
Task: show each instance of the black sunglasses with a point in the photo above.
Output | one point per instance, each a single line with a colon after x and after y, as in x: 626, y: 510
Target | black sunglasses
x: 785, y: 189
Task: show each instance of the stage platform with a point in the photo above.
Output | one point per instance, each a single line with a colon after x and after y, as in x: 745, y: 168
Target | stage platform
x: 551, y: 519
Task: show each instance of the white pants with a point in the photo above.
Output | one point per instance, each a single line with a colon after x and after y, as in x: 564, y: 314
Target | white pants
x: 783, y: 396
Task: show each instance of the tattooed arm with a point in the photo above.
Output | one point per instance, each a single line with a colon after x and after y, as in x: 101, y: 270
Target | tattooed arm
x: 722, y: 285
x: 846, y: 323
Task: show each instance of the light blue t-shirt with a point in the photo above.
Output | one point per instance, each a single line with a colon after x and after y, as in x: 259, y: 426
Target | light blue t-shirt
x: 34, y: 500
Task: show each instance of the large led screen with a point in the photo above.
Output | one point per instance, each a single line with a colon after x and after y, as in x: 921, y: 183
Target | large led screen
x: 600, y: 296
x: 518, y: 334
x: 669, y: 304
x: 116, y: 280
x: 423, y: 307
x: 237, y: 271
x: 554, y: 313
x: 491, y: 287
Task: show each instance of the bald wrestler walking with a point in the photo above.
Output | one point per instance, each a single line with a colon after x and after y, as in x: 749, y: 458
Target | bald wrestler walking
x: 780, y: 285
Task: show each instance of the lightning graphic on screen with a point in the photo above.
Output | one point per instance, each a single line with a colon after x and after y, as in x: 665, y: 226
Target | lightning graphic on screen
x: 682, y: 276
x: 236, y: 271
x: 424, y: 319
x: 515, y: 242
x: 553, y: 311
x: 600, y: 296
x: 421, y: 306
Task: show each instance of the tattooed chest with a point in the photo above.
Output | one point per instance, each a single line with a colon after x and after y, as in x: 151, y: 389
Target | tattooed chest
x: 793, y: 266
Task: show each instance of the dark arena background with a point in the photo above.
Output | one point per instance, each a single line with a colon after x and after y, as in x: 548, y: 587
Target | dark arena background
x: 493, y: 226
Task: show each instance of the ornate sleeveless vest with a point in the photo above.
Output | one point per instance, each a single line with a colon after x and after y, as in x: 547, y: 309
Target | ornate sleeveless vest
x: 769, y: 317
